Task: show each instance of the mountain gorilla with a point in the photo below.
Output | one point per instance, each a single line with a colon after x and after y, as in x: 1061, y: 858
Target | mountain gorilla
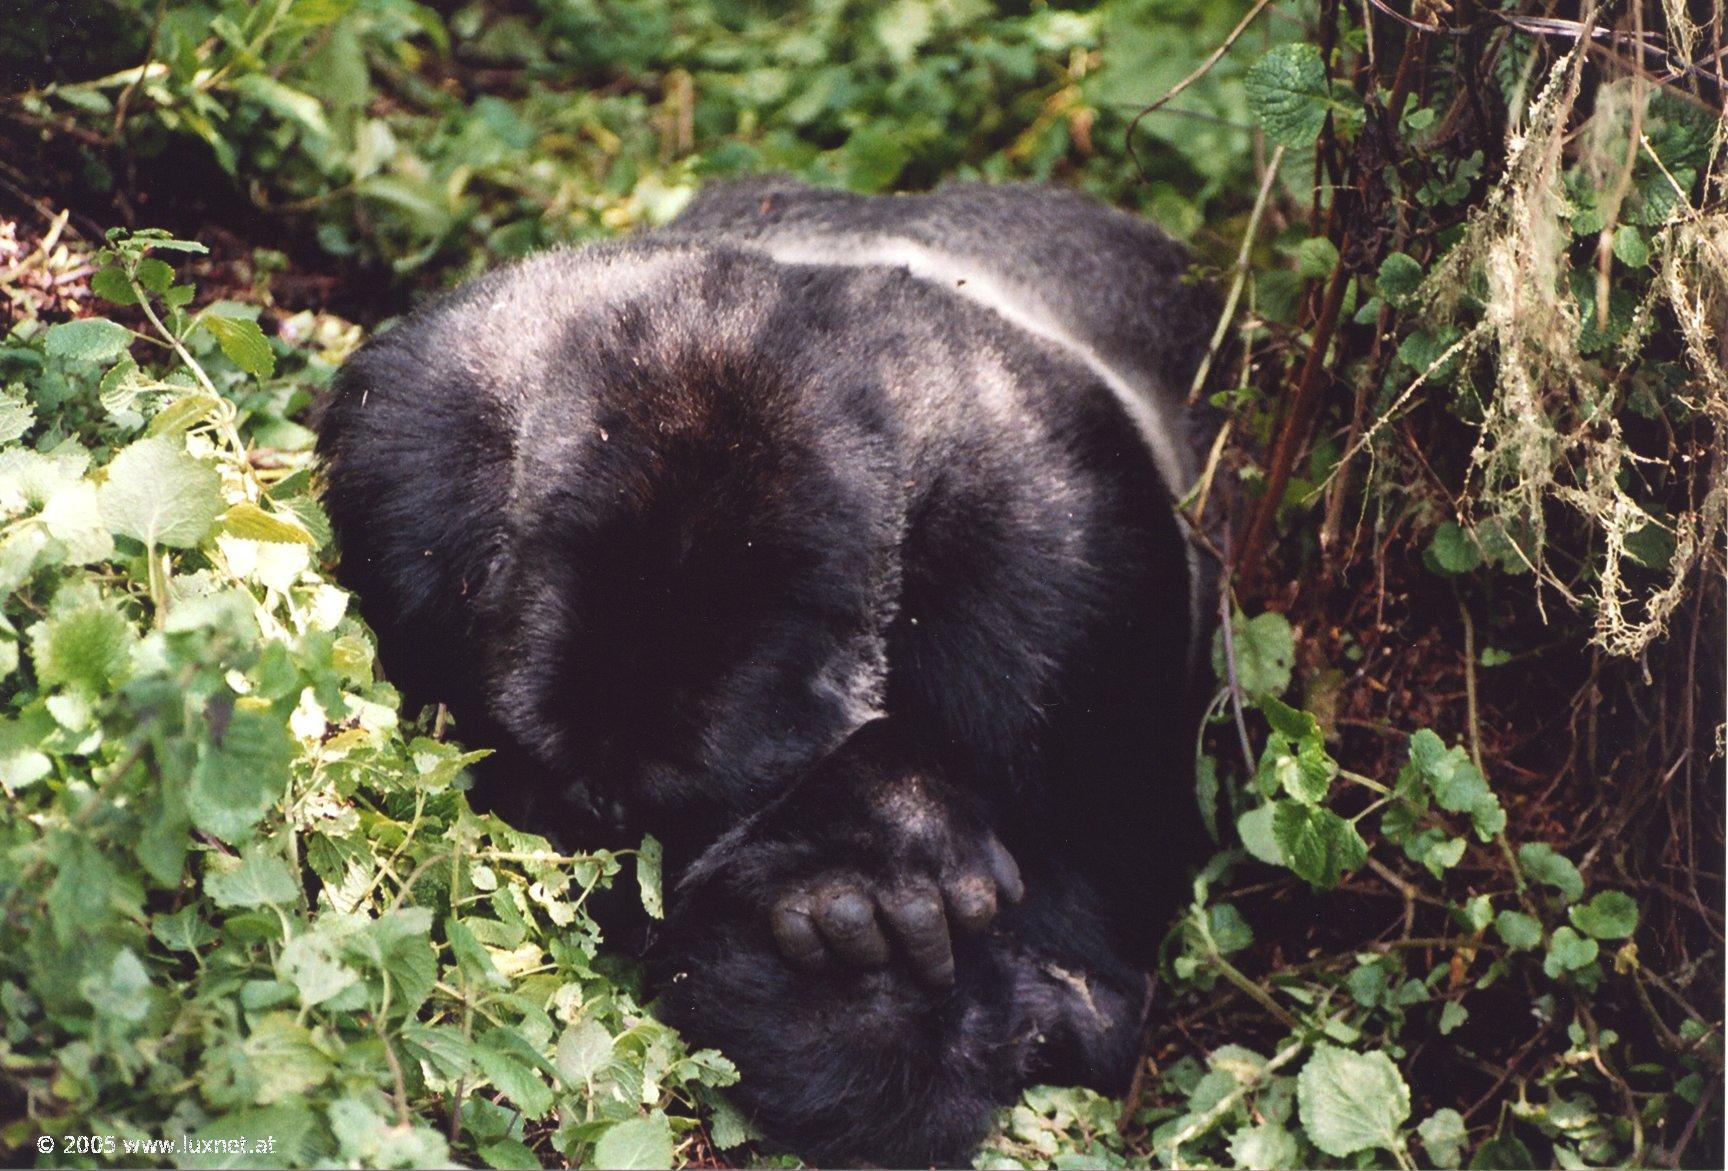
x: 830, y: 539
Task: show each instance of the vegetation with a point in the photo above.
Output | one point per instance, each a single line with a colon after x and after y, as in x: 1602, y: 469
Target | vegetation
x: 1464, y: 761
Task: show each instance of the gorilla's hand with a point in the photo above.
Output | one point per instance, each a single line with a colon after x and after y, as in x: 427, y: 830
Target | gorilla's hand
x: 867, y: 857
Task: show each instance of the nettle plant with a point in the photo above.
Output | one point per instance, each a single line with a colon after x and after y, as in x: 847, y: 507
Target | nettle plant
x: 240, y: 895
x: 1332, y: 1087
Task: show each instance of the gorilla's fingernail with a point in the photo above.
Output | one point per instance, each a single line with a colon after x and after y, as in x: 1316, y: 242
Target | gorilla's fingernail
x: 848, y: 920
x: 795, y: 934
x: 971, y: 902
x: 1004, y: 869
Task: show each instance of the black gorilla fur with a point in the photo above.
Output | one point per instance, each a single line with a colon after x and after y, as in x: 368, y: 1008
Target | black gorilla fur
x: 809, y: 534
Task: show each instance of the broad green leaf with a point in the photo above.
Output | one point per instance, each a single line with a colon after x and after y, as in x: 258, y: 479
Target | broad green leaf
x: 1568, y: 951
x: 1258, y: 838
x: 250, y: 522
x: 240, y: 776
x: 1352, y: 1102
x: 1265, y: 653
x: 1399, y: 278
x: 1443, y: 1137
x: 1541, y: 863
x: 510, y: 1154
x: 244, y: 343
x: 1611, y: 914
x: 257, y: 878
x: 582, y: 1052
x: 1319, y: 845
x: 286, y: 1059
x: 89, y: 649
x: 1452, y: 551
x: 312, y: 963
x: 156, y: 493
x: 1288, y: 93
x: 635, y: 1143
x: 1452, y: 1014
x: 1266, y: 1147
x: 92, y: 340
x: 1518, y: 931
x: 515, y: 1079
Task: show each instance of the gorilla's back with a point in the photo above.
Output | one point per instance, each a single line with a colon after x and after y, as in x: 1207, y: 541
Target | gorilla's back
x: 1106, y: 286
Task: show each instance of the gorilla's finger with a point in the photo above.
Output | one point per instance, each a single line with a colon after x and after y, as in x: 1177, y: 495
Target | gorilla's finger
x: 848, y: 922
x: 915, y: 914
x: 971, y: 901
x: 1004, y: 869
x: 795, y: 932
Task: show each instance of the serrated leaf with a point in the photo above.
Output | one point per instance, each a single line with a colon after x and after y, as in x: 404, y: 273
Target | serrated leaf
x: 1443, y: 1137
x: 583, y: 1051
x: 1352, y: 1102
x: 158, y: 494
x: 1288, y: 93
x: 635, y: 1143
x: 244, y: 343
x: 1318, y: 844
x: 1399, y: 278
x: 1265, y: 653
x: 258, y: 878
x: 1266, y: 1147
x: 515, y: 1079
x: 89, y: 648
x: 236, y: 781
x: 92, y: 340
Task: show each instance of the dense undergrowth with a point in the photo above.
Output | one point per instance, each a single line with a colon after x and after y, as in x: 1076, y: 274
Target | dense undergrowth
x: 1463, y: 763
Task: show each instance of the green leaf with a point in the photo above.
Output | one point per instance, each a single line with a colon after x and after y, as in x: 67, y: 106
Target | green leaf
x: 1568, y: 951
x: 244, y: 343
x: 583, y: 1051
x: 1265, y: 653
x: 286, y: 1059
x: 1611, y: 914
x: 258, y: 878
x: 1352, y: 1102
x: 1452, y: 1014
x: 111, y: 285
x: 1258, y: 838
x: 1319, y: 845
x: 1288, y: 92
x: 1230, y: 932
x: 1541, y: 863
x: 515, y: 1079
x: 156, y: 493
x: 1443, y: 1137
x: 648, y: 877
x: 88, y: 649
x: 93, y: 340
x: 1266, y: 1147
x: 510, y: 1154
x: 311, y: 961
x: 1518, y: 931
x: 635, y: 1143
x: 1505, y: 1153
x: 238, y: 778
x: 250, y: 522
x: 1399, y: 278
x: 1452, y: 551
